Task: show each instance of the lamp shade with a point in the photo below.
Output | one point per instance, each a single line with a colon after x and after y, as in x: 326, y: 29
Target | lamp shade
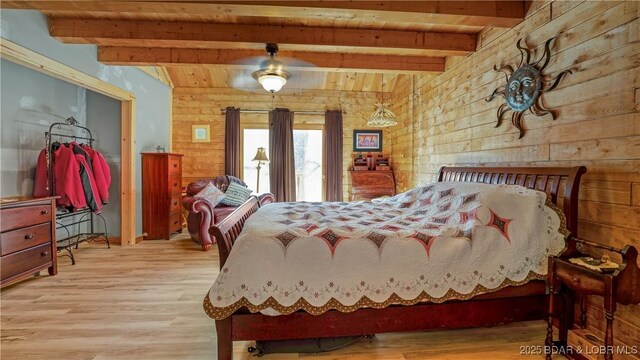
x: 261, y: 155
x: 272, y: 82
x: 382, y: 117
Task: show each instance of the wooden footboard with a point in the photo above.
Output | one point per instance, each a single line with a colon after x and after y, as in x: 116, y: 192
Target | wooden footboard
x: 227, y: 230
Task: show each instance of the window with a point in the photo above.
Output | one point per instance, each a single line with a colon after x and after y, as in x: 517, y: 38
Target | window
x: 307, y: 156
x: 307, y: 146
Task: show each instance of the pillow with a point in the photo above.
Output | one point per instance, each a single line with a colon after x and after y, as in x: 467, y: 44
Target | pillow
x: 212, y: 194
x: 236, y: 194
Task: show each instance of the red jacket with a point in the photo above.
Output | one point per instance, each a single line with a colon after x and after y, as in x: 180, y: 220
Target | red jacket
x: 66, y: 178
x: 67, y: 181
x: 101, y: 172
x: 41, y: 181
x: 88, y: 184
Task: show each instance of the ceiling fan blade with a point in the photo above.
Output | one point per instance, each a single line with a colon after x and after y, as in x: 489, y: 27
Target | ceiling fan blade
x: 295, y: 64
x: 242, y: 80
x: 306, y: 80
x: 253, y: 61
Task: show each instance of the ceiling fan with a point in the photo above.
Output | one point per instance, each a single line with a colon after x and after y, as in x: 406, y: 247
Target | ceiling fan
x: 272, y: 75
x: 272, y: 72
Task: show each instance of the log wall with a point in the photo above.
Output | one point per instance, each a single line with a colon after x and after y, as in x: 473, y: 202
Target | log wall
x: 201, y: 106
x: 446, y: 120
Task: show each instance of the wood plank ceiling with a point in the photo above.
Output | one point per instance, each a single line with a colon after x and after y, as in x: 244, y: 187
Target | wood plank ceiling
x: 352, y: 45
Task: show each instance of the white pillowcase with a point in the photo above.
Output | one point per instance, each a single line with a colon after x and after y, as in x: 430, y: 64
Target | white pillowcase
x: 212, y: 194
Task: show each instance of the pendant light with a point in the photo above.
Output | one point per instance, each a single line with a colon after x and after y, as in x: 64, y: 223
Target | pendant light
x: 382, y: 116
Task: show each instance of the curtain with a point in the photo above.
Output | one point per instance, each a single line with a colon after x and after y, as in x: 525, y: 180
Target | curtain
x: 333, y: 154
x: 232, y: 142
x: 282, y: 169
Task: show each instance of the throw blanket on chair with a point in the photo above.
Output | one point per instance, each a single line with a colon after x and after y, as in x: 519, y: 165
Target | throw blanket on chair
x: 435, y: 243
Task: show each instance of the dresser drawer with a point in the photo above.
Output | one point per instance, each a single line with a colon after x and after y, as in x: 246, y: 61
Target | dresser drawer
x: 175, y: 221
x: 176, y: 202
x: 174, y: 165
x: 580, y: 281
x: 16, y: 218
x: 21, y: 239
x: 25, y: 260
x: 175, y: 184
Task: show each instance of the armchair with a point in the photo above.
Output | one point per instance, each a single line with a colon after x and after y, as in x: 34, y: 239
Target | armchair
x: 202, y: 215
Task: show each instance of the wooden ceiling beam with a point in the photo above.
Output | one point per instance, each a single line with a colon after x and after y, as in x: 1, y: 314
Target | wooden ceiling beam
x: 139, y: 56
x: 496, y: 13
x: 206, y: 35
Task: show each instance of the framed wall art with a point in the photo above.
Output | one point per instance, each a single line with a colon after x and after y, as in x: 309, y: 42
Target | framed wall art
x: 367, y: 140
x: 200, y: 133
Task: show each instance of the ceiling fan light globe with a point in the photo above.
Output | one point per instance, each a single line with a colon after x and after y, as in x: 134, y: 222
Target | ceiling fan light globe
x: 271, y: 82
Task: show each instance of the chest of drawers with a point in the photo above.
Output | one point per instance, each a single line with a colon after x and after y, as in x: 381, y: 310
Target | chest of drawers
x: 161, y: 194
x: 27, y: 238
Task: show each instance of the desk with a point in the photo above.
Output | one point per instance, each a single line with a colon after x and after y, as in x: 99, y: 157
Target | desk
x: 370, y: 184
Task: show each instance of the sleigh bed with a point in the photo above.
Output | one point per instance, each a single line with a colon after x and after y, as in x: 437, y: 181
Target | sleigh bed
x: 512, y: 301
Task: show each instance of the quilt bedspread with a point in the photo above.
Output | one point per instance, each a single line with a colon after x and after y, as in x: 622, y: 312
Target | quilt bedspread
x: 434, y: 243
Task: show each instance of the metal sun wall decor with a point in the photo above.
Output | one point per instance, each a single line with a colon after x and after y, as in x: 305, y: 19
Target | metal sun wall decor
x: 525, y: 85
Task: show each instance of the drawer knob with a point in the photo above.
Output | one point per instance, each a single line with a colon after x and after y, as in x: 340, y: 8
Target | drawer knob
x: 28, y: 237
x: 175, y: 165
x: 175, y: 184
x: 576, y: 279
x: 44, y: 212
x: 175, y: 203
x: 44, y: 253
x: 175, y: 222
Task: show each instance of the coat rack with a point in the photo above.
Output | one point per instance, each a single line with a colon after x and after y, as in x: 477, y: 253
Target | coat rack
x: 86, y: 216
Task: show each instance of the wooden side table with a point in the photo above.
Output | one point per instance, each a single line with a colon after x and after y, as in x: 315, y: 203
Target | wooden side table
x: 566, y: 279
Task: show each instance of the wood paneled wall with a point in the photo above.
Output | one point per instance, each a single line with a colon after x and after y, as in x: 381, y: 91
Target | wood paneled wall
x: 197, y: 106
x: 446, y: 121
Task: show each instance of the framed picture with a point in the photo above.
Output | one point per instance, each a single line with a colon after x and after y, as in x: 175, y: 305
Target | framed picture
x: 200, y: 133
x: 367, y: 140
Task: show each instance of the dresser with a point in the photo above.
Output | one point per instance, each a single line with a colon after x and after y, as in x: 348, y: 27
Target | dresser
x: 370, y: 184
x: 161, y: 195
x: 27, y: 237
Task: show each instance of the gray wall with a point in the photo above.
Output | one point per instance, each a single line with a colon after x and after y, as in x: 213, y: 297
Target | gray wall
x: 29, y: 28
x: 31, y: 101
x: 103, y: 118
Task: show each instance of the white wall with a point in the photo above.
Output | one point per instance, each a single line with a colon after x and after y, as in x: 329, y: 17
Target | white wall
x: 29, y: 28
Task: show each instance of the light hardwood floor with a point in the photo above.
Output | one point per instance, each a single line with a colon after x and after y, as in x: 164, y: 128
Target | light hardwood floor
x: 145, y: 302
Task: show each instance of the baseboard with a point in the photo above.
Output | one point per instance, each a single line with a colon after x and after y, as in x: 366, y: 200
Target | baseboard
x: 115, y: 240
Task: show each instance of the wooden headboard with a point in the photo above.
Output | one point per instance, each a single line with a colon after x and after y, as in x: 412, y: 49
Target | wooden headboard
x: 562, y: 183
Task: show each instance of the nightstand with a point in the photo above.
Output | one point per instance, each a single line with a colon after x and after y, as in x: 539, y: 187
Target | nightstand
x: 567, y: 279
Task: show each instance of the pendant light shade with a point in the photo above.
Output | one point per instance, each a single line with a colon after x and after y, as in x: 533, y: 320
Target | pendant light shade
x: 382, y: 116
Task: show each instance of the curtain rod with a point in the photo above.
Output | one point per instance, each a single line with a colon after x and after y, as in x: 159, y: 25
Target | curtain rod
x: 256, y: 111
